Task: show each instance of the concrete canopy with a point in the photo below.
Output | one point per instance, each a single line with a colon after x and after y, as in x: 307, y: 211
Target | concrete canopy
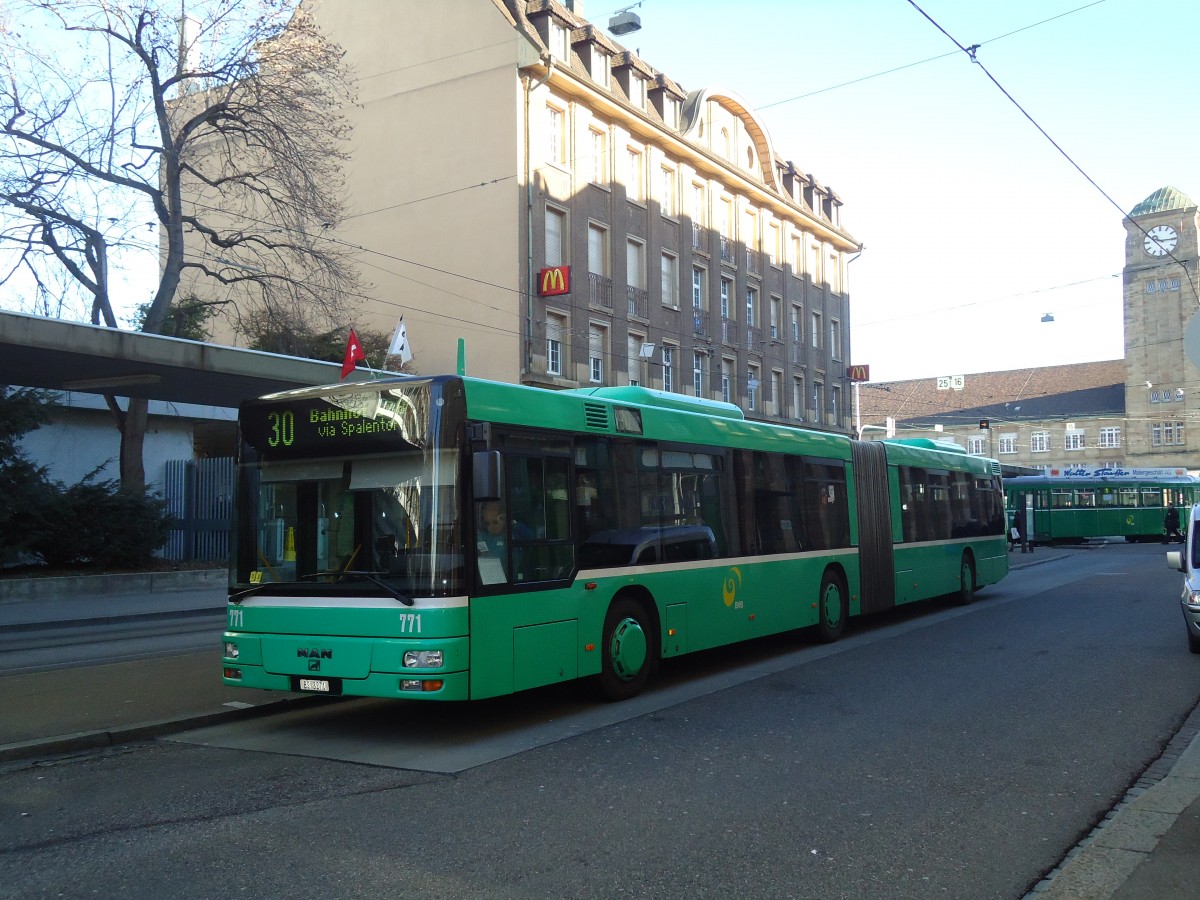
x: 68, y: 356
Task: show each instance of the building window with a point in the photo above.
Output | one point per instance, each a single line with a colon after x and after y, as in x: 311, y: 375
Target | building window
x: 726, y: 380
x: 835, y: 339
x: 597, y: 344
x: 698, y: 280
x: 599, y: 156
x: 777, y: 392
x: 776, y: 312
x: 1039, y: 442
x: 797, y: 318
x: 668, y: 364
x: 816, y: 331
x: 668, y: 178
x: 976, y: 446
x: 601, y: 73
x: 635, y: 362
x: 814, y: 263
x: 699, y: 362
x: 1008, y: 443
x: 637, y: 91
x: 557, y: 137
x: 772, y: 248
x: 835, y: 403
x: 818, y: 400
x: 597, y: 249
x: 1110, y: 437
x: 560, y: 41
x: 556, y: 230
x: 670, y: 280
x: 751, y: 304
x: 752, y: 385
x: 798, y: 398
x: 1073, y: 440
x: 726, y: 287
x: 556, y: 328
x: 699, y: 207
x: 634, y: 176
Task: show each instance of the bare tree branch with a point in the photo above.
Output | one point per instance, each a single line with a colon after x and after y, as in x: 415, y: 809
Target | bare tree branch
x: 223, y: 134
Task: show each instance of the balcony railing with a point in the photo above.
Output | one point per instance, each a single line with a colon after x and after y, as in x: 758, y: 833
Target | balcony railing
x: 754, y: 339
x: 751, y: 260
x: 726, y: 249
x: 599, y: 290
x: 729, y: 331
x: 697, y: 236
x: 700, y: 322
x: 639, y: 302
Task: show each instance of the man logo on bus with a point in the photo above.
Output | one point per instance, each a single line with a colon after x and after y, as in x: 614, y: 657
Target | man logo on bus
x: 555, y: 280
x: 733, y: 581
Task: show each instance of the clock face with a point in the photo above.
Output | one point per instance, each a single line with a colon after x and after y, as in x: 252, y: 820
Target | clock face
x: 1160, y: 240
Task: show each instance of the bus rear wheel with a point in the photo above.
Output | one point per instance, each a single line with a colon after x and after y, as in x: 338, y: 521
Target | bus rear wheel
x: 966, y: 581
x: 628, y: 650
x: 833, y: 608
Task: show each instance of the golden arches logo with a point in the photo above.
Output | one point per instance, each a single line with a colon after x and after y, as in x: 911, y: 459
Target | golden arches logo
x: 733, y: 581
x: 555, y: 280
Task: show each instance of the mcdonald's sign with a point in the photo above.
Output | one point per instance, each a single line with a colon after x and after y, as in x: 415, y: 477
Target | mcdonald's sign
x: 554, y: 280
x: 858, y: 373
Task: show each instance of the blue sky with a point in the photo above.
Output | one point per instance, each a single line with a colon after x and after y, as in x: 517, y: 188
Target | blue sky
x: 975, y: 226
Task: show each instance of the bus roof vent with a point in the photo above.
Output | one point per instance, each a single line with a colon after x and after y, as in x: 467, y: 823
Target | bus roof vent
x: 595, y: 415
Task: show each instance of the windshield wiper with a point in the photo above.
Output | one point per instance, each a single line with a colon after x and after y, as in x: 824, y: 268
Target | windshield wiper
x: 361, y: 573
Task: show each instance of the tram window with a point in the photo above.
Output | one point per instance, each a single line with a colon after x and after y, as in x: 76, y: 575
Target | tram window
x: 1108, y: 498
x: 1127, y: 497
x: 1085, y: 499
x: 1151, y: 497
x: 1062, y: 499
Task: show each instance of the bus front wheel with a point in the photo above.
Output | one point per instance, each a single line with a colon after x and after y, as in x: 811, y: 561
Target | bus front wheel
x: 628, y: 648
x: 833, y: 608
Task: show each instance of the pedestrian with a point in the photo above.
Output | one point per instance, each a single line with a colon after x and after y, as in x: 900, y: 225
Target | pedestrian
x: 1022, y: 537
x: 1171, y: 525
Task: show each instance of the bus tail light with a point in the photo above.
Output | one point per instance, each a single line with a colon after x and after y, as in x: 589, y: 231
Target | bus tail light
x: 235, y: 674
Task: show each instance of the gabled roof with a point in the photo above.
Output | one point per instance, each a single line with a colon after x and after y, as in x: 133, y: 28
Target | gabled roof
x: 1048, y: 392
x: 1163, y: 199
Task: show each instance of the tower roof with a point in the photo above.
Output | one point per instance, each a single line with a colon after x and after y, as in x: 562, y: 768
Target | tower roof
x: 1161, y: 200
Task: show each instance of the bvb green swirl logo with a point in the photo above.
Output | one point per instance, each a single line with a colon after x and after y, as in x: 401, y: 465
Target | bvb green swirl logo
x: 733, y: 581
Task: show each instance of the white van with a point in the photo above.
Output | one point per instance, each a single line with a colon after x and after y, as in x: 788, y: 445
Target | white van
x: 1187, y: 561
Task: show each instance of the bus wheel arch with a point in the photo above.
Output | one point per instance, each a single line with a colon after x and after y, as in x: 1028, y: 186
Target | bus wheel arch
x: 833, y: 605
x: 966, y: 579
x: 629, y: 645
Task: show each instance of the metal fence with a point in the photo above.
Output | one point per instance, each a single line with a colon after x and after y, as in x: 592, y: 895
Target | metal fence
x: 199, y: 495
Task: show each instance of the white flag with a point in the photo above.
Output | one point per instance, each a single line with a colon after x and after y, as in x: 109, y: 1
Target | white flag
x: 399, y: 346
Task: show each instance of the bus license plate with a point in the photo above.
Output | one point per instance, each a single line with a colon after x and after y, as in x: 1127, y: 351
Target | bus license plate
x: 320, y: 685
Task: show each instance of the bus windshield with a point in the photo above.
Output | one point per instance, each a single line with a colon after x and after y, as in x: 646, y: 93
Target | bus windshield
x: 348, y: 504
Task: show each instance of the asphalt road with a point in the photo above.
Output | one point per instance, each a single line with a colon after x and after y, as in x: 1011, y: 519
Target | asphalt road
x: 940, y: 752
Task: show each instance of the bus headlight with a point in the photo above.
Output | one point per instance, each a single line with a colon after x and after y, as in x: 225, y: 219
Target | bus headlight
x: 423, y: 659
x: 231, y: 650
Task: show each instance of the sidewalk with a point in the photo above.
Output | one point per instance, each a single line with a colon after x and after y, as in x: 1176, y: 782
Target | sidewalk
x: 1144, y: 849
x: 74, y: 709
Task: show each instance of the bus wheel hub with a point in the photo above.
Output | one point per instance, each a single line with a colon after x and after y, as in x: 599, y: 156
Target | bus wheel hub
x: 627, y: 649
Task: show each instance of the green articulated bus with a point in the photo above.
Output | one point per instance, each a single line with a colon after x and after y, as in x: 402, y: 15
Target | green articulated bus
x: 1071, y: 508
x: 451, y: 538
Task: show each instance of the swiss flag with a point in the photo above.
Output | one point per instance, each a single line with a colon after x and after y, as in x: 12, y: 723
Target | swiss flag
x: 354, y: 352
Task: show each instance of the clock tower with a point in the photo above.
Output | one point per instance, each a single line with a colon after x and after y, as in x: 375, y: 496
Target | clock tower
x: 1161, y: 284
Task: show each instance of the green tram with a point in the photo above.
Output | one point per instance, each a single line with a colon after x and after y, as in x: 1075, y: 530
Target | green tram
x: 451, y: 538
x: 1072, y: 508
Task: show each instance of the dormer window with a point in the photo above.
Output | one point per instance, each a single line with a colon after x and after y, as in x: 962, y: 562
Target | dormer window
x: 560, y: 41
x: 600, y: 70
x: 637, y: 92
x: 671, y: 112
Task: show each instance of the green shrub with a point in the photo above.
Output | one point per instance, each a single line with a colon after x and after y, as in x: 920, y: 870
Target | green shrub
x: 101, y: 524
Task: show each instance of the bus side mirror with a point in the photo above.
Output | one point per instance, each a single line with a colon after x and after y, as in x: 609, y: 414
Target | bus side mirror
x: 486, y: 479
